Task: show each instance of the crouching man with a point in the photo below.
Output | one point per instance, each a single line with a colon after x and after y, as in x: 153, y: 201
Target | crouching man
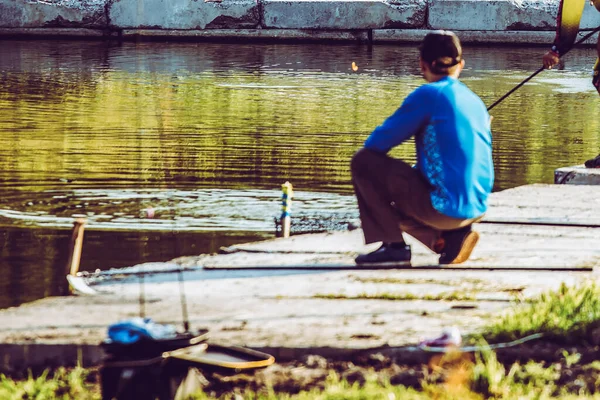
x: 439, y: 199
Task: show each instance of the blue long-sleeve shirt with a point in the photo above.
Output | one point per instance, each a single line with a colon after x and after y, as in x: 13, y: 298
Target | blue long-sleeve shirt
x: 451, y: 126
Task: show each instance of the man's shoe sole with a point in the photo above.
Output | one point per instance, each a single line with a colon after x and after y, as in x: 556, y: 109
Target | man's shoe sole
x: 389, y: 264
x: 467, y: 248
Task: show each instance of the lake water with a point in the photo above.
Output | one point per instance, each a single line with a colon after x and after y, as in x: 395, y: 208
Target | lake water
x: 172, y: 149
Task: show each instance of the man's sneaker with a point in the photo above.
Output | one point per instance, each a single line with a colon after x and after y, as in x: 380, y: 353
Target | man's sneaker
x: 593, y: 163
x: 458, y: 245
x: 386, y: 254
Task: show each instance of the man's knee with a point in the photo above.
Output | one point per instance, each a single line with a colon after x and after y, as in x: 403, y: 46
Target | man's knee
x: 362, y: 159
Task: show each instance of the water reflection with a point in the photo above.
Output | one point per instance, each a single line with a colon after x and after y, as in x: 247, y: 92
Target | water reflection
x: 163, y: 125
x: 33, y: 260
x: 176, y: 210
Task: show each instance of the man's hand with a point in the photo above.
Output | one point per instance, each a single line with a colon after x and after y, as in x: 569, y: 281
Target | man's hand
x: 550, y: 59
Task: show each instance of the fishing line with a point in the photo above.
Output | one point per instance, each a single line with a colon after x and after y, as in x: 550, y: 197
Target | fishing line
x: 583, y: 39
x: 469, y: 349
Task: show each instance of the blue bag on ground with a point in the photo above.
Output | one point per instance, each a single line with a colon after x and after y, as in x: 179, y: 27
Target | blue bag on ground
x: 132, y: 330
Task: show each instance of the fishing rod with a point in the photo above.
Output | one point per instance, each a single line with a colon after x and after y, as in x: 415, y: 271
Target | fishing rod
x: 583, y: 39
x: 142, y: 297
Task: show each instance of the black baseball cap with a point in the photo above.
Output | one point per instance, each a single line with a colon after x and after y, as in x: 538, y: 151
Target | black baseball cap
x: 441, y: 47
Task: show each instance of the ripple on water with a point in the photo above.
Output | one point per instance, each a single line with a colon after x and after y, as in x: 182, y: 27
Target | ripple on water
x: 168, y: 210
x: 569, y: 83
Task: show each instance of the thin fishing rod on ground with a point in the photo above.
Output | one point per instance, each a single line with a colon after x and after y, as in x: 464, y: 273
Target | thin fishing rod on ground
x: 583, y: 39
x: 142, y: 298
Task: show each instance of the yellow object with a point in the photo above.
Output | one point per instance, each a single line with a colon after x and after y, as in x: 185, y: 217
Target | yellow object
x: 230, y: 357
x: 354, y: 66
x: 570, y: 16
x: 286, y: 208
x: 286, y: 201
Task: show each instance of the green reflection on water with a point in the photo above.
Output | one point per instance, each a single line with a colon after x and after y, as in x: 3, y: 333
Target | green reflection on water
x: 253, y: 120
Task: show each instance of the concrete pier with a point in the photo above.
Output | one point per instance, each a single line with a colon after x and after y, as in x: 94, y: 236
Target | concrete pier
x: 376, y: 21
x: 533, y: 239
x: 577, y: 175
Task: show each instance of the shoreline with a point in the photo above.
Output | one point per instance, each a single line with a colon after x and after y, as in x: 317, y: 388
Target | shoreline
x: 366, y: 37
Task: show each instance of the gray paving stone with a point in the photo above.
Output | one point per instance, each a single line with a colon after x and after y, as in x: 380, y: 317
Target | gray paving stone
x: 590, y: 18
x: 184, y: 14
x: 363, y: 14
x: 32, y: 14
x: 490, y: 15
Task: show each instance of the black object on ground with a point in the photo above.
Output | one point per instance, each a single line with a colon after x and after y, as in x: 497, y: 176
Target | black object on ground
x: 164, y: 369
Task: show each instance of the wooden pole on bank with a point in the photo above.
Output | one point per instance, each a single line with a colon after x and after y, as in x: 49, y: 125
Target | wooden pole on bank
x: 72, y: 267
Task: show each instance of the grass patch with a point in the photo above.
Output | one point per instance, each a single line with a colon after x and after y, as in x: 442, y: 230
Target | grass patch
x: 419, y: 281
x: 454, y: 376
x: 334, y: 389
x: 570, y: 315
x: 62, y: 384
x: 449, y: 296
x: 400, y: 281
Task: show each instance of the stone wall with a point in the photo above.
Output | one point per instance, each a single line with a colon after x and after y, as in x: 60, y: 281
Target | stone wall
x: 496, y: 21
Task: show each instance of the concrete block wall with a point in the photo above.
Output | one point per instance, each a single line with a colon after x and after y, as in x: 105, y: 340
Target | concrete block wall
x: 495, y: 21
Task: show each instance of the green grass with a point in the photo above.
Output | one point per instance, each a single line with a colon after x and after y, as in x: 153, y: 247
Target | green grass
x: 463, y: 377
x: 335, y: 389
x: 60, y: 385
x: 448, y: 296
x: 417, y: 281
x: 568, y: 315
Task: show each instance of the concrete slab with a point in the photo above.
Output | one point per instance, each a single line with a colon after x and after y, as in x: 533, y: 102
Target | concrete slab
x: 558, y: 204
x: 294, y: 309
x: 37, y: 14
x: 577, y: 175
x: 501, y: 247
x: 590, y: 18
x: 184, y: 14
x: 343, y: 14
x: 492, y: 15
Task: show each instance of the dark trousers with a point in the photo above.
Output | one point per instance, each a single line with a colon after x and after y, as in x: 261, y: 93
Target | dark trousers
x: 394, y: 198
